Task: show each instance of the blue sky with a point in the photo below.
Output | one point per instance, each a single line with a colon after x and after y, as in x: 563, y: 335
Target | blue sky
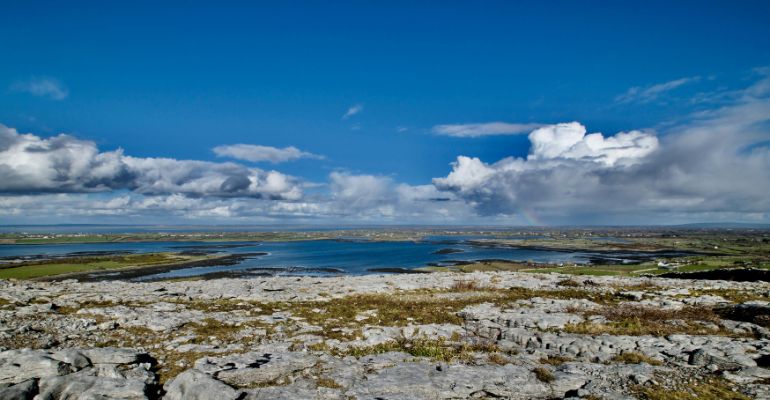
x: 177, y: 80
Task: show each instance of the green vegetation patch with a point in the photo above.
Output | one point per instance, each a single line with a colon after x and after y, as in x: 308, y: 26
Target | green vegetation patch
x: 732, y: 295
x: 435, y: 349
x: 632, y: 357
x: 708, y: 389
x: 422, y: 306
x: 328, y: 383
x: 555, y: 360
x: 544, y: 374
x: 639, y: 320
x: 68, y: 265
x: 342, y: 318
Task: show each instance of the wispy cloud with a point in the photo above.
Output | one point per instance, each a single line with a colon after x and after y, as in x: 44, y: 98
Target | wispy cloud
x: 484, y: 129
x: 42, y: 87
x: 353, y: 110
x: 256, y: 153
x: 638, y: 94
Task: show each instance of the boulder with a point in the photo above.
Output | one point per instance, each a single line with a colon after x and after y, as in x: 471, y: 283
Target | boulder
x: 83, y: 387
x: 17, y: 366
x: 112, y: 355
x: 196, y: 385
x: 21, y: 391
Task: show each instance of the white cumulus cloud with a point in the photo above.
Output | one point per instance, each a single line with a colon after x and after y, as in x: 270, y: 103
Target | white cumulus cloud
x: 716, y: 165
x: 257, y: 153
x: 569, y: 141
x: 380, y: 198
x: 63, y: 163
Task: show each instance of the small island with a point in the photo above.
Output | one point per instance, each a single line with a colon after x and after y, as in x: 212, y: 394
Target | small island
x: 449, y: 251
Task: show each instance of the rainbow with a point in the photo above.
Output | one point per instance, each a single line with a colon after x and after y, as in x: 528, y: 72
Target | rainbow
x: 530, y: 217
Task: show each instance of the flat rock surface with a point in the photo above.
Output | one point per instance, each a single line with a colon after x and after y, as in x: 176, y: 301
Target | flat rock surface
x: 418, y: 336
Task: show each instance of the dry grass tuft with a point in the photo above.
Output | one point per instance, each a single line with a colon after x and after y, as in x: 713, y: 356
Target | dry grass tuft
x: 733, y: 295
x: 640, y: 320
x: 328, y: 383
x: 569, y: 283
x: 710, y: 389
x: 631, y: 357
x: 641, y: 286
x: 435, y: 349
x: 466, y: 285
x: 544, y: 374
x: 497, y: 358
x: 555, y: 360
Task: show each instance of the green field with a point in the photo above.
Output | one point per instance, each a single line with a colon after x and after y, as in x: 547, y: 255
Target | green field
x: 54, y: 267
x: 686, y: 264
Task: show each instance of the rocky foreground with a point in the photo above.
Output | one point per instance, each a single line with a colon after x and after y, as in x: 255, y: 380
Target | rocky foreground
x: 431, y: 336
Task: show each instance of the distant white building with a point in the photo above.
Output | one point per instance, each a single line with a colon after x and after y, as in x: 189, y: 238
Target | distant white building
x: 667, y: 265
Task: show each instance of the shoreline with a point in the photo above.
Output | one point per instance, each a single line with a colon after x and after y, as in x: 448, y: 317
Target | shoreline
x: 128, y: 273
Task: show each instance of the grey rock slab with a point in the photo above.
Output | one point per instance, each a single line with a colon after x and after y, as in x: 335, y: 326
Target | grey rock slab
x: 703, y: 357
x: 342, y: 371
x: 747, y: 375
x: 384, y: 360
x: 164, y: 318
x: 112, y: 355
x: 136, y: 372
x: 197, y: 385
x: 213, y: 365
x: 276, y: 367
x: 19, y: 365
x: 421, y: 380
x: 82, y: 387
x: 21, y: 391
x: 301, y: 389
x: 481, y: 311
x: 72, y: 357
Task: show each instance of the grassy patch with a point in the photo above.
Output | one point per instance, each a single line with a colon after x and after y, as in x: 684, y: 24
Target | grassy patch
x: 639, y: 320
x: 59, y: 266
x: 544, y: 374
x: 342, y: 318
x: 68, y: 310
x: 497, y: 358
x: 569, y: 283
x: 420, y: 307
x: 590, y: 271
x: 733, y: 295
x: 466, y: 285
x: 485, y: 266
x: 642, y: 286
x: 328, y: 383
x: 632, y: 357
x: 709, y: 389
x: 210, y: 327
x: 435, y: 349
x: 555, y: 360
x: 756, y: 315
